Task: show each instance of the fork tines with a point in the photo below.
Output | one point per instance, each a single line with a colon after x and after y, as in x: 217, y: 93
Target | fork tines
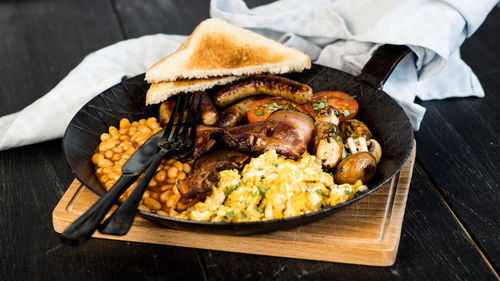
x: 187, y: 122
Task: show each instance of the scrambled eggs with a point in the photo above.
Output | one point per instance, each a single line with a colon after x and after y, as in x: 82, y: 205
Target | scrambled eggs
x: 272, y: 187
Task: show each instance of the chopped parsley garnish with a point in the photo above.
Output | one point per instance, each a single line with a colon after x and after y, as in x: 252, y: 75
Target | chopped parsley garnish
x: 353, y: 135
x: 245, y: 203
x: 317, y: 160
x: 232, y: 188
x: 357, y: 143
x: 242, y: 215
x: 320, y: 192
x: 273, y: 105
x: 260, y: 169
x: 260, y: 209
x: 229, y: 155
x: 348, y: 154
x: 339, y: 170
x: 349, y: 97
x: 334, y: 129
x: 338, y: 138
x: 317, y: 106
x: 254, y: 193
x: 275, y: 164
x: 262, y: 190
x: 260, y: 113
x: 347, y: 113
x: 230, y: 214
x: 262, y: 177
x: 347, y: 192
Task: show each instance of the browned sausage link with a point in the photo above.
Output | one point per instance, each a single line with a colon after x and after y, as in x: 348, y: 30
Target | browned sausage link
x: 209, y: 114
x: 237, y: 113
x: 263, y: 84
x: 165, y: 111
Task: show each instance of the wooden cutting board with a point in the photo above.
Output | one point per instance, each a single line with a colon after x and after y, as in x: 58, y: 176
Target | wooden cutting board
x: 366, y: 232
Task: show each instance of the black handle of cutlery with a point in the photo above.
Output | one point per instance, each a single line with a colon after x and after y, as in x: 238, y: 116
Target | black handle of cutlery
x: 121, y: 220
x: 83, y: 227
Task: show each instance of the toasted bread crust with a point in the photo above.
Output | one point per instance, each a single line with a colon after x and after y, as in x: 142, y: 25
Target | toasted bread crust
x: 216, y: 48
x: 159, y: 92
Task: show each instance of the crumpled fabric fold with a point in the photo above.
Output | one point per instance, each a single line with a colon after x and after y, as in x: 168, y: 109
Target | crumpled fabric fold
x: 343, y: 34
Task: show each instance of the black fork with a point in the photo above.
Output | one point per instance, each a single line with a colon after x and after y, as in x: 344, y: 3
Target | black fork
x: 121, y: 220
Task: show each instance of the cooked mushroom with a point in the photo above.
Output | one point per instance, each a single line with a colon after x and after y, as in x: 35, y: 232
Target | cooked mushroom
x: 327, y: 144
x: 356, y: 144
x: 328, y: 114
x: 375, y: 149
x: 328, y: 148
x: 355, y: 128
x: 360, y: 166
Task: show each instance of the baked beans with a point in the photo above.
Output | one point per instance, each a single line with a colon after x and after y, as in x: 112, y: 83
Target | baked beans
x: 118, y: 144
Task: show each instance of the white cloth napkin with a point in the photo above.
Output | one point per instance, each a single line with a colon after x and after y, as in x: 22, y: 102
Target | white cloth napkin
x: 341, y: 34
x: 48, y: 117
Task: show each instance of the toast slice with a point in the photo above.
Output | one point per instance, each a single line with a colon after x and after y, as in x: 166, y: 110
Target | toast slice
x: 159, y: 92
x: 217, y: 48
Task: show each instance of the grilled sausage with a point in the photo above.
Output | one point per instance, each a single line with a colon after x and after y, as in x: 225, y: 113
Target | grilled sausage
x: 209, y: 114
x: 236, y: 113
x: 263, y: 84
x: 165, y: 111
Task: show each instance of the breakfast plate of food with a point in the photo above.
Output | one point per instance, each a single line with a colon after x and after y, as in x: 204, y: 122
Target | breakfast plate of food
x: 281, y: 142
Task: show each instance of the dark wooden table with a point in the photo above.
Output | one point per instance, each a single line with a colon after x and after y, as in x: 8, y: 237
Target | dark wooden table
x: 451, y: 229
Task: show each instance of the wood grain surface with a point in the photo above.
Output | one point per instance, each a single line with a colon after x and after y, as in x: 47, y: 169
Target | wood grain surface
x: 450, y: 229
x: 461, y: 145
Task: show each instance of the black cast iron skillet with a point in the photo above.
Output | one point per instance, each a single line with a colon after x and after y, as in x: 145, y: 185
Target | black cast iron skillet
x: 385, y: 118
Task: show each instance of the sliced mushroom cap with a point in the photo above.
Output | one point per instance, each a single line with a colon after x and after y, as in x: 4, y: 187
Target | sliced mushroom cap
x: 355, y: 128
x: 330, y: 151
x: 356, y: 145
x: 327, y: 114
x: 375, y: 149
x: 360, y: 166
x: 326, y: 143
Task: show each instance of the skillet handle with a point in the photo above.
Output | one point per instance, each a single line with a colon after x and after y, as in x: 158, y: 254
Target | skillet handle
x: 381, y: 64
